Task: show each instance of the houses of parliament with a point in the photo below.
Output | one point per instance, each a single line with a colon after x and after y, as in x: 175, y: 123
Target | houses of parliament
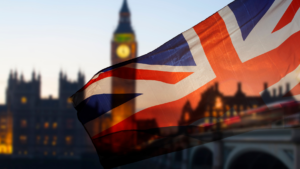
x: 34, y: 128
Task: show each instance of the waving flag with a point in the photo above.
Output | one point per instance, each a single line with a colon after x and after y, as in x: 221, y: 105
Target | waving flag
x: 251, y: 42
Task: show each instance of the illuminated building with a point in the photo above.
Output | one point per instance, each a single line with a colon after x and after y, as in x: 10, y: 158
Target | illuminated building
x: 32, y: 127
x: 6, y: 132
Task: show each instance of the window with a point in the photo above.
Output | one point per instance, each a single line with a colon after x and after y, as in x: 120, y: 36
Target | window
x: 23, y: 139
x: 206, y: 114
x: 186, y: 116
x: 54, y: 140
x: 214, y: 113
x: 3, y: 126
x: 25, y: 152
x: 68, y: 140
x: 207, y: 120
x: 218, y: 103
x: 45, y: 153
x: 228, y: 113
x: 38, y: 138
x: 46, y: 125
x: 54, y: 125
x: 46, y: 139
x: 70, y: 100
x: 23, y: 123
x: 53, y: 153
x: 23, y: 100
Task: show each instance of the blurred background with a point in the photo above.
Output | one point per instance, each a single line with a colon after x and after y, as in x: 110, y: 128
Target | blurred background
x: 50, y: 49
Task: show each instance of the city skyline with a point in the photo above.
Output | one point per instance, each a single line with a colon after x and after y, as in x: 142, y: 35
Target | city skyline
x: 50, y: 37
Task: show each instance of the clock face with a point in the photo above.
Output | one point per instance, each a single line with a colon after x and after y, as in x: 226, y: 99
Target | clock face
x: 123, y: 51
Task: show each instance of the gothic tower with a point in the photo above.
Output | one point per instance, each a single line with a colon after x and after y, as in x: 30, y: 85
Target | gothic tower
x: 123, y: 48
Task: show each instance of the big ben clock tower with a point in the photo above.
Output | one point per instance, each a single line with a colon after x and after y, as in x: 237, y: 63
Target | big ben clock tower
x: 123, y: 48
x: 123, y: 43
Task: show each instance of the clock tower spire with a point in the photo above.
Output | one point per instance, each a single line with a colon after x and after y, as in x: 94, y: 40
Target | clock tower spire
x: 124, y: 44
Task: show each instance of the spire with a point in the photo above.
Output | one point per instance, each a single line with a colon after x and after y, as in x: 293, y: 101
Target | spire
x: 33, y: 75
x: 124, y: 25
x: 16, y: 74
x: 22, y: 77
x: 39, y: 77
x: 60, y: 74
x: 10, y: 74
x: 79, y: 74
x: 125, y: 8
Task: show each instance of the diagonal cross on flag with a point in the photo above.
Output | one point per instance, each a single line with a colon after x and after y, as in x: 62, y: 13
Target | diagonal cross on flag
x: 288, y: 16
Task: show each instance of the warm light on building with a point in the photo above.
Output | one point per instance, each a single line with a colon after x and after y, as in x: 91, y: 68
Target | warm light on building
x: 186, y: 116
x: 46, y: 125
x: 54, y: 125
x: 70, y: 100
x: 23, y: 123
x: 68, y: 140
x: 23, y: 139
x: 228, y: 113
x: 215, y: 114
x: 218, y: 104
x: 46, y: 140
x: 206, y: 114
x: 54, y: 140
x: 23, y: 100
x: 6, y: 133
x: 227, y: 107
x: 38, y: 138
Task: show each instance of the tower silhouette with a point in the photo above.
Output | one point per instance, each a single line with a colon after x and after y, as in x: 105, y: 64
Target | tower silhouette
x: 123, y: 48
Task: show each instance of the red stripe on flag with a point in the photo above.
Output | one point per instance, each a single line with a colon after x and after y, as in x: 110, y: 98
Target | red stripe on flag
x: 288, y: 16
x: 140, y: 74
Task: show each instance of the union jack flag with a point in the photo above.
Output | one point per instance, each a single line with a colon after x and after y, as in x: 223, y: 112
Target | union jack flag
x: 249, y: 41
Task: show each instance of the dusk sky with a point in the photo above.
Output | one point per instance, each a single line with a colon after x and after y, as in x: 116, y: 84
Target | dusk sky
x: 72, y: 35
